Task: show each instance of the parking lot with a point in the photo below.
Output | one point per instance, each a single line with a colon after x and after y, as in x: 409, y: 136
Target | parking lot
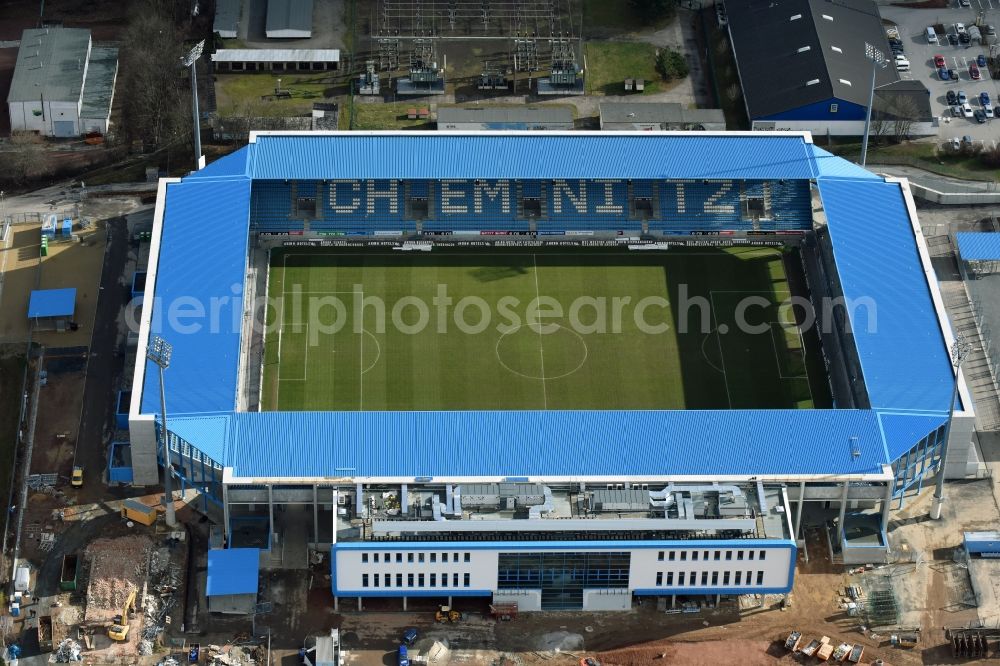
x: 912, y: 25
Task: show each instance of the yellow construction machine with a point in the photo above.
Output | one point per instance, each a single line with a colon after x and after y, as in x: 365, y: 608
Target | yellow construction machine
x: 119, y: 630
x: 446, y: 614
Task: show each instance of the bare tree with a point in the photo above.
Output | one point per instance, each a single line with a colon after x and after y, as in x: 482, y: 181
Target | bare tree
x: 23, y: 161
x: 904, y: 114
x: 154, y: 94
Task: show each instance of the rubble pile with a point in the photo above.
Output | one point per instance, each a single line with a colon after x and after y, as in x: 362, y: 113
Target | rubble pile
x: 117, y: 567
x: 67, y: 651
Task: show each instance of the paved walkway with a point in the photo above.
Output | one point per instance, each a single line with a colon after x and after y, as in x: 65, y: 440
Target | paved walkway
x: 934, y: 181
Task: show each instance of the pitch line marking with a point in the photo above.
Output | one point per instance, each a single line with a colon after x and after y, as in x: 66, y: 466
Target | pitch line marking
x: 541, y: 345
x: 777, y: 361
x: 722, y: 355
x: 496, y: 350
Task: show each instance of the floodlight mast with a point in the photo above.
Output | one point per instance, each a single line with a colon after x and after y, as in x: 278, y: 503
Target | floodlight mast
x: 878, y: 61
x: 960, y: 350
x: 191, y: 61
x: 159, y: 352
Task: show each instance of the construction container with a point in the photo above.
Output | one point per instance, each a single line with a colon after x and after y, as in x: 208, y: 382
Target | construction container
x: 137, y: 511
x: 45, y: 633
x: 22, y: 579
x: 70, y: 571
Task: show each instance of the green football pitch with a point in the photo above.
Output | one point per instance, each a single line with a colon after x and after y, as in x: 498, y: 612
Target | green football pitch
x: 688, y: 328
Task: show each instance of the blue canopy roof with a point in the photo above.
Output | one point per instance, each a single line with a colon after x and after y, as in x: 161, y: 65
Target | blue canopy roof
x: 538, y: 156
x: 232, y: 571
x: 892, y: 315
x: 978, y: 245
x: 52, y: 303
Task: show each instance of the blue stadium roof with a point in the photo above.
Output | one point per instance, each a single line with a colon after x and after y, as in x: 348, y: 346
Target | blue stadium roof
x: 203, y: 254
x: 555, y: 443
x: 232, y: 571
x: 541, y: 155
x: 890, y: 308
x: 52, y: 303
x: 978, y: 245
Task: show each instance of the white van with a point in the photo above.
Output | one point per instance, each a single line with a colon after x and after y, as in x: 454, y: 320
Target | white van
x: 931, y: 35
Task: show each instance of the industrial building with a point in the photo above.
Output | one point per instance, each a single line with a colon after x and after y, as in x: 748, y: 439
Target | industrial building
x: 520, y: 117
x: 289, y: 19
x: 802, y: 66
x: 550, y: 509
x: 63, y: 84
x: 276, y: 60
x: 650, y: 116
x: 227, y: 18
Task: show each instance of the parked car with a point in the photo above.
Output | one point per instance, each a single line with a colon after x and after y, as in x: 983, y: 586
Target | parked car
x: 967, y: 140
x: 952, y: 98
x: 981, y: 60
x: 974, y: 72
x: 966, y: 110
x: 980, y: 116
x: 956, y: 111
x: 965, y: 3
x: 962, y: 99
x: 984, y: 98
x: 964, y: 38
x: 931, y: 35
x: 939, y: 61
x: 955, y: 144
x: 988, y: 110
x: 410, y: 636
x: 952, y: 74
x: 902, y: 64
x: 943, y: 73
x: 953, y: 39
x: 403, y: 657
x: 990, y: 30
x: 960, y: 28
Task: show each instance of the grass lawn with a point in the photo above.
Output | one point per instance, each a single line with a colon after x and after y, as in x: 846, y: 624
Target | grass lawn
x: 606, y: 17
x: 237, y: 93
x: 923, y: 155
x: 610, y: 63
x: 379, y: 116
x: 488, y: 349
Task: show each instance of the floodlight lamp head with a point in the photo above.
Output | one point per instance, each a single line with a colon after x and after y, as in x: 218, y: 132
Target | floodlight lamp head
x: 875, y: 55
x: 960, y: 350
x: 194, y: 54
x: 159, y: 352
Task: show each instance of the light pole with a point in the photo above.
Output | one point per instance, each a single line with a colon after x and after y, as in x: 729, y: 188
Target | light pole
x: 960, y: 350
x: 159, y: 353
x: 191, y: 61
x: 878, y: 61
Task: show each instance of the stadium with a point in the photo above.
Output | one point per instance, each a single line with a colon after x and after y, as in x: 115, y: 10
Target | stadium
x: 556, y: 370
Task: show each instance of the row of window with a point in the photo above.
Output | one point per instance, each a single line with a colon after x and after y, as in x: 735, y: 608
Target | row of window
x: 419, y: 579
x: 671, y: 555
x: 708, y: 578
x: 419, y: 558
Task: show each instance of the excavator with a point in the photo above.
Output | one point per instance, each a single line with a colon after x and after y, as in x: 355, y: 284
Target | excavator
x: 446, y: 614
x: 119, y: 630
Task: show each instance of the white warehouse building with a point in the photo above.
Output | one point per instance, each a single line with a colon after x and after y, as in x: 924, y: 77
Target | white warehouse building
x: 63, y: 84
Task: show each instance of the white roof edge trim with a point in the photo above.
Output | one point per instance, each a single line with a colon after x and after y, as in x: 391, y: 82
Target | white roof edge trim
x: 146, y: 319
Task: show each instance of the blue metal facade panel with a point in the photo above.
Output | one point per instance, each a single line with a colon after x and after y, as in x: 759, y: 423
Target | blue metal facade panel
x: 203, y: 251
x: 982, y: 542
x: 821, y: 111
x: 232, y: 571
x: 891, y: 312
x: 366, y: 155
x: 555, y: 443
x: 978, y: 245
x: 52, y: 303
x: 209, y: 433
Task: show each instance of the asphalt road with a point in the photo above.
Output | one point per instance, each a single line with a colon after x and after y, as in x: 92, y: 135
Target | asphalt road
x: 104, y: 366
